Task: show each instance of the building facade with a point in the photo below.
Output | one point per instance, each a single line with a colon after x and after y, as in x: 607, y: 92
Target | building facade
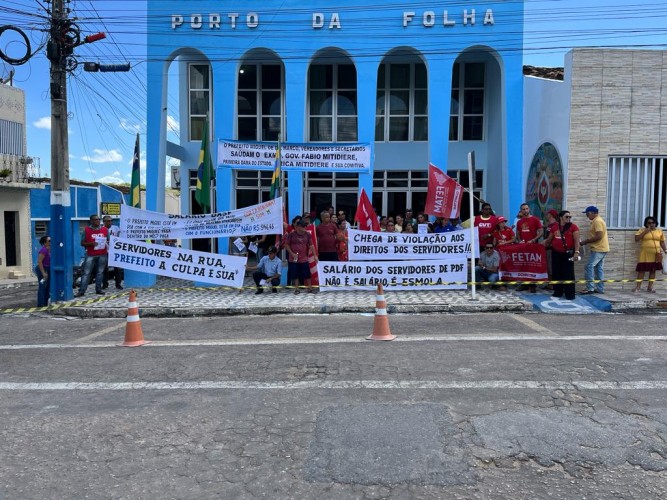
x: 605, y: 130
x: 17, y: 173
x: 617, y: 143
x: 420, y: 84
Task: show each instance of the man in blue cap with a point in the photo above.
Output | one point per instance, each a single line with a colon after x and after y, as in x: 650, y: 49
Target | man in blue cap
x: 598, y: 246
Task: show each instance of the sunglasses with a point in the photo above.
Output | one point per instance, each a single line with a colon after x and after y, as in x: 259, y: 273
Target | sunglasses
x: 567, y: 216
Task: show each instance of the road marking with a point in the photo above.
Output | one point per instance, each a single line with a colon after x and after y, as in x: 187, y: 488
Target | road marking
x: 532, y: 324
x: 346, y: 340
x: 343, y: 384
x: 100, y: 333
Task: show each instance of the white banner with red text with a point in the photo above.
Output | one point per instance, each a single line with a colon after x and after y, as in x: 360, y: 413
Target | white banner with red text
x: 369, y: 245
x: 523, y: 262
x: 396, y: 275
x: 265, y: 218
x: 223, y: 270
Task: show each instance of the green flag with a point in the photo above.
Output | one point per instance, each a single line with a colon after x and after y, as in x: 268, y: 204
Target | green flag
x: 135, y: 193
x: 203, y: 192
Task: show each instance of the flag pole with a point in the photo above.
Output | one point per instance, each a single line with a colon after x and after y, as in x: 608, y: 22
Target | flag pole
x: 471, y: 186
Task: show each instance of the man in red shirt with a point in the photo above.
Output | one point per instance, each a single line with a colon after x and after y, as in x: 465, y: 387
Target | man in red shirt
x: 528, y: 227
x: 326, y: 238
x: 298, y: 243
x: 528, y: 230
x: 94, y: 240
x: 485, y: 223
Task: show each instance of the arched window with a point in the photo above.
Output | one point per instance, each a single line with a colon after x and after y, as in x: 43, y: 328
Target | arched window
x: 466, y: 116
x: 332, y: 104
x: 401, y: 109
x: 199, y: 98
x: 260, y: 102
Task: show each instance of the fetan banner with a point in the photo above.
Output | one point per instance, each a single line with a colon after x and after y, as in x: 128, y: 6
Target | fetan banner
x: 313, y: 157
x: 523, y: 262
x: 444, y: 195
x: 265, y: 218
x: 368, y: 245
x: 223, y: 270
x: 396, y: 275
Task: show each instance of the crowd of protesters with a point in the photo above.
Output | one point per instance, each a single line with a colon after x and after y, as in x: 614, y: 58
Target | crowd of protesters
x: 327, y: 239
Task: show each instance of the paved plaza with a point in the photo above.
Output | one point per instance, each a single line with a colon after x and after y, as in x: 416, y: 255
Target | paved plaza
x: 172, y: 297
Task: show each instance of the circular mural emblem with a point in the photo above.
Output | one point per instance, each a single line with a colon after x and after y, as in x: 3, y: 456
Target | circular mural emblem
x: 544, y: 188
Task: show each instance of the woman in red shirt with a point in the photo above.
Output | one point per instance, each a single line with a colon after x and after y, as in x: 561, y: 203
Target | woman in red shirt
x: 503, y: 234
x: 564, y: 241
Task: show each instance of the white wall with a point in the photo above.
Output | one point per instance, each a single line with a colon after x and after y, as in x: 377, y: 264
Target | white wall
x: 546, y: 119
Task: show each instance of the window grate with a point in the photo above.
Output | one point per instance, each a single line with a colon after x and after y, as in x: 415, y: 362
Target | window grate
x: 636, y: 188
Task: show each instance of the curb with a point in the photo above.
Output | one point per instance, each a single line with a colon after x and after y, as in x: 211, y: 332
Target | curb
x: 184, y: 312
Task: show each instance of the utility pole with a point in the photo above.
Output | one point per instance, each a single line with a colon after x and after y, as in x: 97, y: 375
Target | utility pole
x: 64, y: 38
x: 62, y: 255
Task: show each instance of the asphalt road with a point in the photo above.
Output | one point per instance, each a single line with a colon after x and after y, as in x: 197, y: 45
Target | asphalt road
x: 459, y: 406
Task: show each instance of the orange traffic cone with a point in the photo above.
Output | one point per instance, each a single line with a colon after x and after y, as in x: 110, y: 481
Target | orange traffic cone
x: 381, y: 323
x: 134, y: 336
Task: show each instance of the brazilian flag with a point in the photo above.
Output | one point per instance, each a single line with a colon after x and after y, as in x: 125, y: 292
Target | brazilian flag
x: 275, y: 179
x: 204, y: 173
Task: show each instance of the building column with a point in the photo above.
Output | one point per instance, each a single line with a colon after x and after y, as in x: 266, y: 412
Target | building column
x: 223, y: 116
x: 367, y: 74
x: 439, y: 103
x: 156, y: 135
x: 296, y: 99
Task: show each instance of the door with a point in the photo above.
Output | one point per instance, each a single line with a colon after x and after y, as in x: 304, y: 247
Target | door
x: 11, y: 227
x: 341, y: 201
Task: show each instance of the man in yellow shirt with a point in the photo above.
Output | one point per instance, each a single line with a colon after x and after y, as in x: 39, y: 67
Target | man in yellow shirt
x: 598, y: 244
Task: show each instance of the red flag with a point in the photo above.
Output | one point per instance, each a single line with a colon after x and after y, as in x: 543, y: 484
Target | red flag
x: 312, y: 265
x: 365, y: 215
x: 444, y: 194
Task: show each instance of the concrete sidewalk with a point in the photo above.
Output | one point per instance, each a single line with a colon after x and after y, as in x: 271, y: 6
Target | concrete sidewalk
x: 171, y: 297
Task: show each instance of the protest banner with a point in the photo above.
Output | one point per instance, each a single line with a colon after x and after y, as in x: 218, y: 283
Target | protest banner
x: 265, y: 218
x: 176, y: 262
x: 302, y: 157
x: 370, y: 245
x: 395, y: 275
x: 523, y: 262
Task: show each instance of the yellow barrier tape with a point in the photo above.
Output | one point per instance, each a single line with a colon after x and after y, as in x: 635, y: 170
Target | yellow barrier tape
x: 61, y: 305
x: 76, y: 303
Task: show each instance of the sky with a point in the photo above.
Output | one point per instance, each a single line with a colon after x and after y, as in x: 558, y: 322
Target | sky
x: 107, y: 110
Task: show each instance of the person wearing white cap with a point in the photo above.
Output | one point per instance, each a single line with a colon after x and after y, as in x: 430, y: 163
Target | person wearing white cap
x: 598, y: 245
